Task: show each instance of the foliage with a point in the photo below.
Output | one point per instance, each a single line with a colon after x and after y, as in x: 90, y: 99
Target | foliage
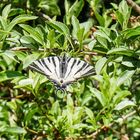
x: 105, y: 105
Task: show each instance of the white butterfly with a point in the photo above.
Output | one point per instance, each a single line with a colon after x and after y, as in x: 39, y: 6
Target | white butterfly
x: 62, y: 70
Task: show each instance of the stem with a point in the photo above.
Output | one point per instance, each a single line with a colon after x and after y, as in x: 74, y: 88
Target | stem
x: 134, y: 5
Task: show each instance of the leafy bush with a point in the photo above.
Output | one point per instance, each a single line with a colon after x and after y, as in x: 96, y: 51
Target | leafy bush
x: 103, y: 106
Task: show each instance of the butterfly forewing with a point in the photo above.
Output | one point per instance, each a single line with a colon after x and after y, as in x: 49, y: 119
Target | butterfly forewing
x: 48, y: 66
x: 77, y: 69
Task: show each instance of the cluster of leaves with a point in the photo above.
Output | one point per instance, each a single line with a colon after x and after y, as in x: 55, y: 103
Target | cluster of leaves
x: 105, y: 105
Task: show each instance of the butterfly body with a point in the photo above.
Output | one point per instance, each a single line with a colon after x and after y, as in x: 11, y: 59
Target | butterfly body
x: 62, y: 70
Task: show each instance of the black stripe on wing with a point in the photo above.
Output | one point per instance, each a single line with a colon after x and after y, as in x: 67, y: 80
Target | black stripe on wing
x: 40, y: 66
x: 73, y: 64
x: 35, y: 67
x: 89, y: 72
x: 83, y: 69
x: 45, y: 64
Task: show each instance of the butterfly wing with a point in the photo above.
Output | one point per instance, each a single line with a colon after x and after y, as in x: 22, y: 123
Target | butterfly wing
x: 62, y: 70
x: 48, y: 66
x: 77, y: 69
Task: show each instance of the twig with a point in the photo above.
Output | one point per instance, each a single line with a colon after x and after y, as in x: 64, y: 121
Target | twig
x: 93, y: 135
x: 135, y: 6
x: 40, y: 14
x: 36, y: 133
x: 31, y: 131
x: 24, y: 49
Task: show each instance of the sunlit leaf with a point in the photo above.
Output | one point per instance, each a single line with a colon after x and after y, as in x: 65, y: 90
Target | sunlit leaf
x: 124, y: 76
x: 7, y: 75
x: 29, y: 59
x: 124, y: 104
x: 15, y: 130
x: 100, y: 64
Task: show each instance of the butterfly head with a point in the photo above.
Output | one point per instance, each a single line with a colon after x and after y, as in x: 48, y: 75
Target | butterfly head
x: 60, y: 87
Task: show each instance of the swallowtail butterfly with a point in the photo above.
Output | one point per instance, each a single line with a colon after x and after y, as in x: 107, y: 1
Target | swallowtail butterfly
x: 62, y: 70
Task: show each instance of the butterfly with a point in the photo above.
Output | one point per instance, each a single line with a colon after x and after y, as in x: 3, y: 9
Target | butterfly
x: 62, y: 70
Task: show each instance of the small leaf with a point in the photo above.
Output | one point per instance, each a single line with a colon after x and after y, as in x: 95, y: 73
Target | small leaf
x: 76, y: 8
x: 100, y: 18
x: 76, y: 26
x: 19, y: 19
x: 100, y: 64
x: 25, y: 82
x: 7, y: 75
x: 121, y: 51
x: 21, y: 55
x: 124, y: 76
x: 120, y: 95
x: 124, y: 104
x: 33, y: 33
x: 10, y: 54
x: 98, y: 95
x: 131, y: 32
x: 128, y: 64
x: 29, y: 59
x: 30, y: 114
x: 6, y: 11
x: 16, y: 130
x: 55, y: 110
x: 89, y: 113
x: 61, y: 27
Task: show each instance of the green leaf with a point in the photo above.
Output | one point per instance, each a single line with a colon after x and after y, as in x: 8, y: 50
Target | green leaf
x: 100, y: 64
x: 19, y: 19
x: 125, y: 76
x: 61, y: 27
x: 75, y: 24
x: 8, y: 75
x: 131, y: 32
x: 89, y: 113
x: 87, y: 25
x: 3, y: 26
x: 124, y: 104
x: 86, y: 98
x: 101, y: 50
x: 104, y: 33
x: 12, y: 105
x: 30, y: 114
x: 29, y: 59
x: 25, y: 82
x: 15, y: 130
x: 21, y: 55
x: 80, y: 35
x: 120, y: 95
x: 100, y: 18
x: 121, y: 51
x: 70, y: 103
x: 119, y: 17
x: 10, y: 54
x: 123, y: 14
x: 98, y: 95
x: 55, y: 110
x: 6, y: 11
x: 33, y: 33
x: 129, y: 64
x: 76, y: 8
